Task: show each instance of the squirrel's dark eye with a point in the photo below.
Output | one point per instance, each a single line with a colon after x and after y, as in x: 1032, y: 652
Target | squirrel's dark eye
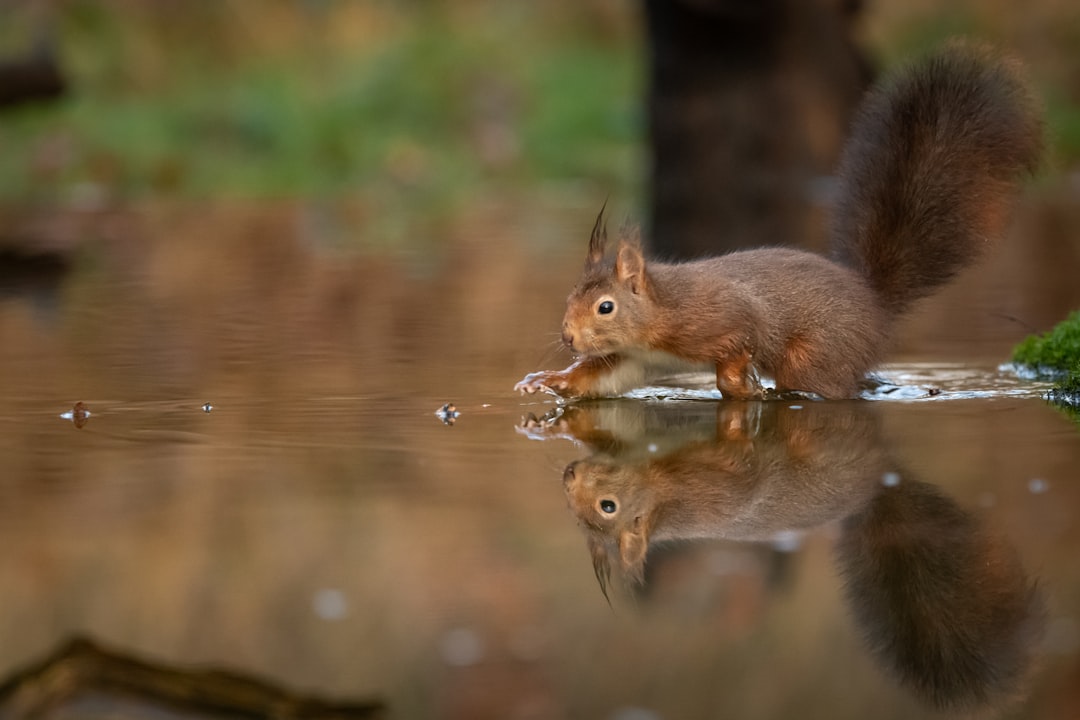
x: 608, y: 506
x: 605, y: 307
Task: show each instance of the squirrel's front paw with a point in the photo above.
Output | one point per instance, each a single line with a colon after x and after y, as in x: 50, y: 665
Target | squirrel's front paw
x: 549, y: 381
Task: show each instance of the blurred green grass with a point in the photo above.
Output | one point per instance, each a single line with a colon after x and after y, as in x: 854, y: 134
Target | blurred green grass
x: 423, y: 103
x: 403, y: 104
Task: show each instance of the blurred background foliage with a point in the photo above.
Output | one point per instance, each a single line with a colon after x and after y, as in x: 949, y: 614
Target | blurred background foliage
x: 413, y: 106
x: 432, y: 102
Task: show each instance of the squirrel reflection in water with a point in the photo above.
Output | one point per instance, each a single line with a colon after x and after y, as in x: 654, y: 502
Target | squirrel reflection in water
x: 942, y: 602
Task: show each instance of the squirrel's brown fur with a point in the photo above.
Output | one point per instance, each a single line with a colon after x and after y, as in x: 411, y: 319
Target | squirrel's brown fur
x: 935, y: 156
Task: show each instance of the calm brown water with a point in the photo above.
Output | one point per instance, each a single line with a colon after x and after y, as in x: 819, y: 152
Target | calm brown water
x: 320, y: 527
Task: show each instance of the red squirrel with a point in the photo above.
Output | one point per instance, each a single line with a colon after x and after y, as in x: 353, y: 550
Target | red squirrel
x: 935, y: 156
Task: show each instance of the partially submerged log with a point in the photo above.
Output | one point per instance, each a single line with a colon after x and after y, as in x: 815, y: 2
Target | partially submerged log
x: 81, y: 668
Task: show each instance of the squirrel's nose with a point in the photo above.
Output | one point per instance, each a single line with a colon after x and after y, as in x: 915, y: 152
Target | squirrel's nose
x: 568, y: 336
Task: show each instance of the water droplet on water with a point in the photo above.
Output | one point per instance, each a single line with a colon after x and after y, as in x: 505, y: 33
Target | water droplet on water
x: 787, y: 541
x: 890, y: 479
x: 1037, y: 486
x: 461, y: 647
x: 330, y: 604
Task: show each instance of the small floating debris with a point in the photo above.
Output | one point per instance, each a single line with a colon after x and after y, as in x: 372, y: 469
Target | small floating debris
x: 207, y: 407
x: 448, y: 413
x: 78, y: 414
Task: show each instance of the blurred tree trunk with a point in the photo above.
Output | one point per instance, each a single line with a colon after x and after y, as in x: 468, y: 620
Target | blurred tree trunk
x: 748, y: 106
x: 32, y: 78
x: 35, y: 74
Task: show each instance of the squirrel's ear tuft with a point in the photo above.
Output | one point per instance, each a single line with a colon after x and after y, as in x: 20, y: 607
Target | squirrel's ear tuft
x: 598, y: 239
x: 630, y: 266
x: 633, y: 546
x: 601, y: 564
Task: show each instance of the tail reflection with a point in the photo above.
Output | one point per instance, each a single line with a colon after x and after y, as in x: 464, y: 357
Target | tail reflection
x: 944, y: 604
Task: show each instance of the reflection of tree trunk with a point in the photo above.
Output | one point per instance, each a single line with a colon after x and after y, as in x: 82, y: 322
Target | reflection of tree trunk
x: 748, y: 107
x: 80, y: 667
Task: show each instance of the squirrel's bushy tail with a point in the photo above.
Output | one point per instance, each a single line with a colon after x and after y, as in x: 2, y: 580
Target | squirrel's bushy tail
x: 935, y: 156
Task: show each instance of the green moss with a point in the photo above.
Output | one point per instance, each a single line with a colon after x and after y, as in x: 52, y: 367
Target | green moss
x: 406, y: 117
x: 1056, y: 353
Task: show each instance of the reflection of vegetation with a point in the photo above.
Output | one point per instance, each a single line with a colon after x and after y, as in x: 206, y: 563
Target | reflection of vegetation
x: 1056, y: 353
x: 431, y: 102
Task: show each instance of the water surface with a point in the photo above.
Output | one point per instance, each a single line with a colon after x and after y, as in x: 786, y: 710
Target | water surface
x: 319, y: 526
